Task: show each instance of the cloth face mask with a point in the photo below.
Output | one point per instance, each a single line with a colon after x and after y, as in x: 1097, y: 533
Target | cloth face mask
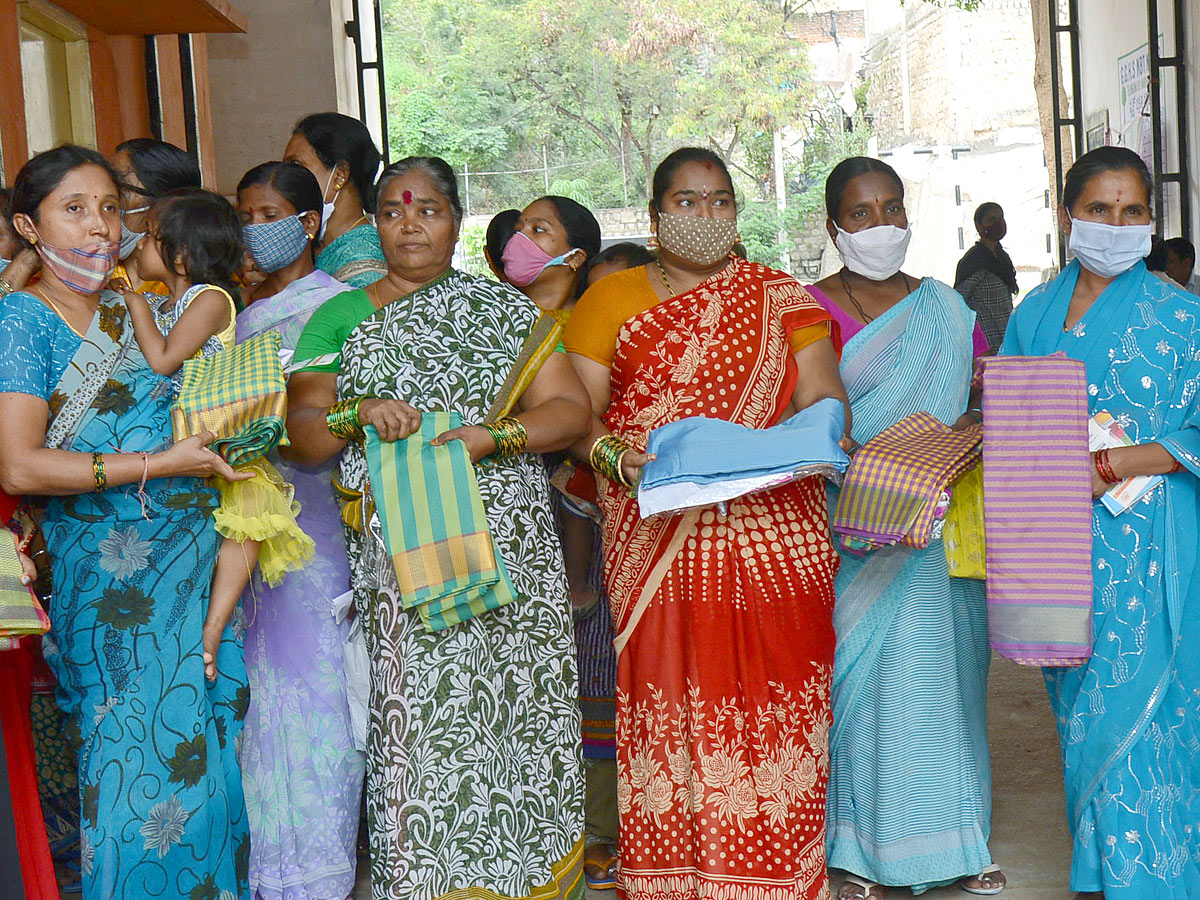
x: 327, y: 206
x: 84, y: 270
x: 129, y: 237
x: 1108, y: 250
x: 875, y: 253
x: 276, y: 244
x: 524, y: 260
x: 699, y: 239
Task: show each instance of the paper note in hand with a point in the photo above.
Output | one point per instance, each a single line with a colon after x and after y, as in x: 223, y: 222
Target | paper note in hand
x: 1105, y: 432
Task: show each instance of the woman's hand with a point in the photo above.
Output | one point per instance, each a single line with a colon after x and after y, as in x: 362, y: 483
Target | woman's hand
x: 632, y: 464
x: 28, y: 569
x: 1099, y: 486
x: 478, y: 439
x: 393, y: 419
x: 192, y: 456
x: 848, y: 443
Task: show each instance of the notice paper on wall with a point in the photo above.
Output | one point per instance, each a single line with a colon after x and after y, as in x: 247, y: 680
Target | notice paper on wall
x: 1105, y: 433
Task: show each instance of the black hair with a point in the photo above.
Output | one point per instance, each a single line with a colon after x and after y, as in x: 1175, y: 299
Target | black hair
x: 160, y: 166
x: 439, y: 173
x: 1182, y: 248
x: 203, y: 230
x: 626, y: 252
x: 845, y: 172
x: 1097, y: 162
x: 296, y: 184
x: 499, y: 230
x: 668, y: 167
x: 583, y: 231
x: 340, y: 139
x: 984, y: 208
x: 40, y: 176
x: 1156, y: 259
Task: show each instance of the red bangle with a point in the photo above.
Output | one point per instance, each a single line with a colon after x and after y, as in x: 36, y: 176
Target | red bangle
x: 1177, y: 467
x: 1104, y: 467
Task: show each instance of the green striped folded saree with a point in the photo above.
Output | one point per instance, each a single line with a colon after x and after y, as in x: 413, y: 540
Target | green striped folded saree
x: 434, y: 525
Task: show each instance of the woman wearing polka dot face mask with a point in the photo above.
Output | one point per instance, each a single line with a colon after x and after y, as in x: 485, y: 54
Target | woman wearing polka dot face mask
x: 723, y: 617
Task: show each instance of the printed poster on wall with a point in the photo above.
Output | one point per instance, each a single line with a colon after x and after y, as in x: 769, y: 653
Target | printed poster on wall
x: 1133, y: 80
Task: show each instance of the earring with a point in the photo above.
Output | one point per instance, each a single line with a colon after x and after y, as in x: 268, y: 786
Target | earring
x: 652, y: 241
x: 737, y: 239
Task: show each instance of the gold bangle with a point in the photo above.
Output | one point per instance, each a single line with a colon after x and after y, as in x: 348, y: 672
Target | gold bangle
x: 606, y: 457
x: 98, y: 474
x: 5, y: 288
x: 342, y: 420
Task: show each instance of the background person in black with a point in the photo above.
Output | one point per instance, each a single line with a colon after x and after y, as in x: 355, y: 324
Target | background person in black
x: 985, y: 275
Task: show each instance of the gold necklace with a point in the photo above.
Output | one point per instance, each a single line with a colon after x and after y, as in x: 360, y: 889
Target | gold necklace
x: 663, y: 272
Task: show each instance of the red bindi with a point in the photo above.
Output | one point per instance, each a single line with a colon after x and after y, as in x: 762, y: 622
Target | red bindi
x: 407, y: 195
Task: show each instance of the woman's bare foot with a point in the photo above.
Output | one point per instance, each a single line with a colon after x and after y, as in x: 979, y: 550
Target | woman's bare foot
x: 855, y: 888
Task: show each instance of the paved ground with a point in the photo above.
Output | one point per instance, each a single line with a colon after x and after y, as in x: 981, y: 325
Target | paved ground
x: 1029, y: 833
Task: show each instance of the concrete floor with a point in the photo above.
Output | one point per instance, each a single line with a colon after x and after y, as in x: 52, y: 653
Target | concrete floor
x: 1029, y: 833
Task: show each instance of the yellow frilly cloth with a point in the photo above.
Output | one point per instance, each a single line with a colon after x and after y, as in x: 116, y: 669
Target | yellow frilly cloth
x: 264, y: 509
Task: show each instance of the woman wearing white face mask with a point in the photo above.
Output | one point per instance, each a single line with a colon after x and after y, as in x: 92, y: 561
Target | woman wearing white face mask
x: 341, y: 154
x: 910, y: 671
x: 1129, y: 719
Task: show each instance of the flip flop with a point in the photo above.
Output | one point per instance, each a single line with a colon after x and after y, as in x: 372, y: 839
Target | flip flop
x: 600, y: 876
x: 997, y: 884
x: 864, y: 891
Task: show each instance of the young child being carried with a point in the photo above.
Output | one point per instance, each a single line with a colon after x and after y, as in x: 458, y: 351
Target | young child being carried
x: 194, y: 245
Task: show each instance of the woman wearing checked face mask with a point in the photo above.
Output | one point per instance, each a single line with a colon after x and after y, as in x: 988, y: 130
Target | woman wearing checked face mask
x: 148, y: 169
x: 1129, y: 716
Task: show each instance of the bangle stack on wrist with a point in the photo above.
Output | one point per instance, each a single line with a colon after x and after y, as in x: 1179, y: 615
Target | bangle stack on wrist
x: 98, y: 474
x: 342, y: 420
x: 510, y: 436
x: 606, y: 456
x: 1104, y: 468
x: 5, y: 288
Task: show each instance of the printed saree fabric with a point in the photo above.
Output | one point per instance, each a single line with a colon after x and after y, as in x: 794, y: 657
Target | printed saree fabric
x: 302, y: 773
x: 1129, y: 719
x: 160, y: 789
x: 909, y: 786
x: 474, y: 784
x: 723, y: 619
x: 354, y: 258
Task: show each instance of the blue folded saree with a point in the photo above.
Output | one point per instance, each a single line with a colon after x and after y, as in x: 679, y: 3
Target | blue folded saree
x: 702, y: 462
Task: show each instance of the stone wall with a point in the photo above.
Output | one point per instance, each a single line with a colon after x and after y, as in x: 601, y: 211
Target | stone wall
x: 964, y: 76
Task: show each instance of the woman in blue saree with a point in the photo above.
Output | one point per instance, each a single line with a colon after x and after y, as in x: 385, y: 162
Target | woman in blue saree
x: 1129, y: 719
x: 132, y: 546
x: 909, y: 800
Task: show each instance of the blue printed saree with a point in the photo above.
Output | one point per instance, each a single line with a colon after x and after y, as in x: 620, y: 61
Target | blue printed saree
x: 1129, y: 720
x: 910, y: 781
x: 161, y: 794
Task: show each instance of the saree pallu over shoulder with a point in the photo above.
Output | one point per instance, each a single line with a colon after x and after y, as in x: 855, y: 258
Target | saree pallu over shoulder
x: 1129, y: 720
x: 723, y: 618
x: 162, y: 808
x: 354, y: 258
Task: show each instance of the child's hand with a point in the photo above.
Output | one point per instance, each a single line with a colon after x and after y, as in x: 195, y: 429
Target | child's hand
x: 28, y: 569
x: 212, y: 640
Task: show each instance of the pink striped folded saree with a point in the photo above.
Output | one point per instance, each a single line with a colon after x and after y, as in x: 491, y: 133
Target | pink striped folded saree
x: 1037, y: 502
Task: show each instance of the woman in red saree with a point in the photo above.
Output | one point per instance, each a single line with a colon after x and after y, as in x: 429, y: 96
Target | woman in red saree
x: 723, y: 618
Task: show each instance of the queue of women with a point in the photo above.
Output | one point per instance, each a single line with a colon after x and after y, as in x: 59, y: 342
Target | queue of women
x: 774, y: 708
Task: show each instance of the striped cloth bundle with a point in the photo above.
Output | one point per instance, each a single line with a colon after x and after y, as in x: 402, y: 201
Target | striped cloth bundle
x: 896, y: 479
x: 1037, y: 509
x: 435, y: 526
x: 20, y: 612
x: 240, y: 395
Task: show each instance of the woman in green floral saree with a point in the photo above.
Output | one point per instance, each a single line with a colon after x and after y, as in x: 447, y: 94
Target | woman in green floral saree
x: 474, y: 783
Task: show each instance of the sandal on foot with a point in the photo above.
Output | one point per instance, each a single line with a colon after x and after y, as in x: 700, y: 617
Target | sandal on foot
x: 600, y: 875
x: 991, y: 881
x: 855, y: 888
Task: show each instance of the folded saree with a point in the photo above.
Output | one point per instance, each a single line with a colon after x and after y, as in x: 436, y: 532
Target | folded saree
x: 240, y: 395
x: 1037, y: 509
x: 435, y: 526
x: 896, y: 481
x: 701, y: 461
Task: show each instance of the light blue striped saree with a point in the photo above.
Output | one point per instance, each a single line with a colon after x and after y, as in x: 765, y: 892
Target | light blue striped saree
x: 909, y: 799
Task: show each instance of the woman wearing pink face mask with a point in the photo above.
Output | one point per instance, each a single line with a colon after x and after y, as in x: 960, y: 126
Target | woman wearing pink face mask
x: 553, y: 239
x: 131, y: 548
